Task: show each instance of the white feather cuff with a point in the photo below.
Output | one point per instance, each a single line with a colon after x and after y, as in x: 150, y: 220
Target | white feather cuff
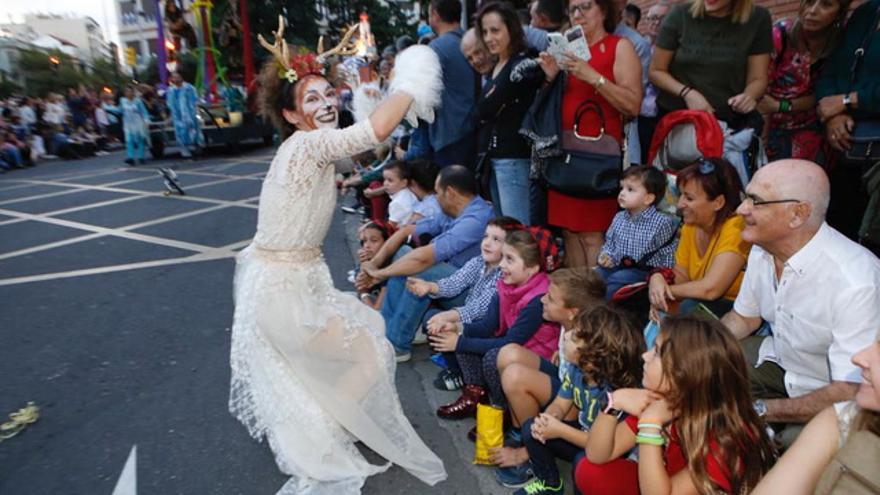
x: 366, y: 98
x: 417, y: 72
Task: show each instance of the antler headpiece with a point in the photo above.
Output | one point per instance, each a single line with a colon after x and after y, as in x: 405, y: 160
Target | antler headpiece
x: 346, y: 47
x: 291, y: 67
x: 294, y: 67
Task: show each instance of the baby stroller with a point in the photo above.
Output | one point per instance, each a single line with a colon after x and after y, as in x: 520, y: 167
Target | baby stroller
x: 684, y: 136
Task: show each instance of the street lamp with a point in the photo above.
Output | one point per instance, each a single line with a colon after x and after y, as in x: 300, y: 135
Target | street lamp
x: 55, y: 61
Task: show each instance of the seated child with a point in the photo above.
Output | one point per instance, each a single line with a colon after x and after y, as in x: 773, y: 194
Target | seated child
x: 603, y: 350
x: 479, y: 277
x: 372, y: 236
x: 640, y: 237
x: 529, y: 381
x: 514, y: 316
x: 693, y: 422
x: 396, y: 181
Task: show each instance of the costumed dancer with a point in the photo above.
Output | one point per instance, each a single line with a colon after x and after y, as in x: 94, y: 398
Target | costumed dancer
x: 182, y: 101
x: 135, y: 125
x: 312, y: 371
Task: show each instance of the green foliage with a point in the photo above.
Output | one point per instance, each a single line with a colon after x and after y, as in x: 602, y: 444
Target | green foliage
x: 42, y: 76
x: 8, y: 87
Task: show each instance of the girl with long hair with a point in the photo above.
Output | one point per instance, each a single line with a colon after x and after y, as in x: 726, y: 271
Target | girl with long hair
x: 693, y: 422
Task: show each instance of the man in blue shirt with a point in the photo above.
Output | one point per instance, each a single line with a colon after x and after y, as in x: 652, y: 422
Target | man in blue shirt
x: 456, y: 240
x: 451, y: 137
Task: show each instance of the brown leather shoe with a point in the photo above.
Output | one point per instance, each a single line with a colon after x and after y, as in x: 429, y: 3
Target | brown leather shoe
x: 465, y: 406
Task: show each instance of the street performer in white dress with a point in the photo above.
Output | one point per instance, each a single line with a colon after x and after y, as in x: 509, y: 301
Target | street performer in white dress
x: 312, y: 371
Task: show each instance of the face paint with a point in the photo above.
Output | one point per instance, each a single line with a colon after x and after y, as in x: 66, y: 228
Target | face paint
x: 317, y: 104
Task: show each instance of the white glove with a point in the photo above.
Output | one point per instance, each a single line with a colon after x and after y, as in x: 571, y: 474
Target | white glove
x: 417, y: 72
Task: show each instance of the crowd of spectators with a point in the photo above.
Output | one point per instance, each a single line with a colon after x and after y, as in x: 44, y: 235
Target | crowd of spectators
x: 81, y: 123
x: 757, y: 280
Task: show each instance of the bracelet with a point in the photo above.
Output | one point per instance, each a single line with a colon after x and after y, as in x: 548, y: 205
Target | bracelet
x: 649, y: 434
x: 650, y: 425
x: 650, y: 440
x: 684, y: 91
x: 784, y: 106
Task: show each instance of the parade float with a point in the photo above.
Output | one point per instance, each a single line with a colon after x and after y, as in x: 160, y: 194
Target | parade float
x: 224, y: 117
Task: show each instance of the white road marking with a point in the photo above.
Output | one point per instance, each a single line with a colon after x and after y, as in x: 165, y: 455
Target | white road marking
x: 202, y: 252
x: 127, y: 482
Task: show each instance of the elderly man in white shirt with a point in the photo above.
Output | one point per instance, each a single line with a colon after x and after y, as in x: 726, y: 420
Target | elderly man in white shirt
x: 818, y: 291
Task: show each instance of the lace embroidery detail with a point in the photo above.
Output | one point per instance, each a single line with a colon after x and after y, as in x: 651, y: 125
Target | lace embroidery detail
x: 311, y: 367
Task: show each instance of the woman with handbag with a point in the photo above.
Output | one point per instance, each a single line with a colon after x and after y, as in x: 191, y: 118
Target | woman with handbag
x: 839, y: 450
x: 800, y: 48
x: 849, y: 106
x: 500, y: 110
x: 612, y: 80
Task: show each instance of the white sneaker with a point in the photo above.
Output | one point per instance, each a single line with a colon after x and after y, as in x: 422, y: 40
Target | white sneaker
x: 420, y: 338
x: 402, y: 357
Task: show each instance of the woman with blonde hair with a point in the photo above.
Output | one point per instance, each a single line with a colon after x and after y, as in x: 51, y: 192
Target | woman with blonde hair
x: 713, y: 55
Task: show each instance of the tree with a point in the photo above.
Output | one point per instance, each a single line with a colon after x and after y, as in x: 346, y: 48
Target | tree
x: 106, y: 73
x: 42, y: 75
x: 7, y: 87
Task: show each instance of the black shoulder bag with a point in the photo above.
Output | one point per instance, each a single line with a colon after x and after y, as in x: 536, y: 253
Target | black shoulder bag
x: 866, y: 135
x: 590, y: 166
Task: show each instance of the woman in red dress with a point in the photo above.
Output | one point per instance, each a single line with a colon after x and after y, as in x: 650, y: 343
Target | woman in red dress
x: 612, y: 78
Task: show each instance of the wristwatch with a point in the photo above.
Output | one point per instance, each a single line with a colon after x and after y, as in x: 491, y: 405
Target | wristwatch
x: 606, y: 405
x: 760, y: 407
x: 847, y: 101
x: 600, y: 82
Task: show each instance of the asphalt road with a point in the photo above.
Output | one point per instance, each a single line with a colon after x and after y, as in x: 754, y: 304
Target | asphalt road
x: 115, y: 314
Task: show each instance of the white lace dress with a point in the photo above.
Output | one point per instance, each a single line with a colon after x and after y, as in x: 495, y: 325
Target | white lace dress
x: 311, y: 369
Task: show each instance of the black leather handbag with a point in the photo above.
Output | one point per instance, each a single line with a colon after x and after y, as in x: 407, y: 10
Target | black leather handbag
x: 865, y: 142
x: 589, y: 166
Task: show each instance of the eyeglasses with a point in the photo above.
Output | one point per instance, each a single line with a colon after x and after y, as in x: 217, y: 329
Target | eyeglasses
x: 579, y: 9
x: 756, y: 201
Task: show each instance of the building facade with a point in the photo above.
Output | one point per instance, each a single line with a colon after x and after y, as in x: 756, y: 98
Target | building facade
x: 82, y: 32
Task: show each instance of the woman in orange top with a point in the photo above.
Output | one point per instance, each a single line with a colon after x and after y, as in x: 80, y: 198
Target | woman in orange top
x: 711, y: 255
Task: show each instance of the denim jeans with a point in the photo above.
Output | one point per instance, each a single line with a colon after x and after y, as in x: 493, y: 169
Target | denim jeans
x: 537, y: 203
x: 509, y: 186
x: 403, y: 310
x: 617, y: 277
